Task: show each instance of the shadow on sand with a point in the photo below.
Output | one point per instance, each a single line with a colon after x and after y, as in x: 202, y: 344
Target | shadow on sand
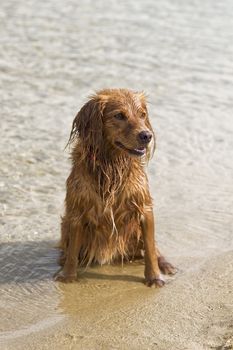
x: 34, y: 261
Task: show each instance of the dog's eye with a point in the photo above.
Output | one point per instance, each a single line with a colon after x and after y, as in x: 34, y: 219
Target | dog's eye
x: 120, y: 116
x: 143, y: 115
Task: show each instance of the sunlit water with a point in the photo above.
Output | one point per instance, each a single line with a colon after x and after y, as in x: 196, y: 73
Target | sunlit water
x: 53, y: 55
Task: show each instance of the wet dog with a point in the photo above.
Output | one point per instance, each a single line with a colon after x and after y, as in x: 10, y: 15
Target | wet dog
x: 108, y: 206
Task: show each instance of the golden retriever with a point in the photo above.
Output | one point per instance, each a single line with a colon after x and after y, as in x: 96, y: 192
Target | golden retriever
x: 108, y: 206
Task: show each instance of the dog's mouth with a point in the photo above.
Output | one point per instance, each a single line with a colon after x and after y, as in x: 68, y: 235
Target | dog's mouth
x: 140, y: 151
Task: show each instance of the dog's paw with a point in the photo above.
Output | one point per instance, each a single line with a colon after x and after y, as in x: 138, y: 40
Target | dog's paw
x: 165, y: 267
x: 65, y: 278
x: 158, y: 282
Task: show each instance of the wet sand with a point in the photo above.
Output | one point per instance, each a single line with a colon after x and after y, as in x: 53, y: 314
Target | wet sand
x: 52, y: 56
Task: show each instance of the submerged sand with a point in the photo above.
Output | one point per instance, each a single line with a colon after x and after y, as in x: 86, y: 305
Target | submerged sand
x: 52, y: 56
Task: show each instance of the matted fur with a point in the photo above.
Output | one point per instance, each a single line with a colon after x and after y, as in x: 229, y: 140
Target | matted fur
x: 108, y: 208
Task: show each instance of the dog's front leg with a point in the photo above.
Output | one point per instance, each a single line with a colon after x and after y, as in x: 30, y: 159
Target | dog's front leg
x: 69, y: 271
x: 152, y: 271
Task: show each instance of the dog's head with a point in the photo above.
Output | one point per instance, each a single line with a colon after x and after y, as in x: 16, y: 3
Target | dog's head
x: 115, y: 119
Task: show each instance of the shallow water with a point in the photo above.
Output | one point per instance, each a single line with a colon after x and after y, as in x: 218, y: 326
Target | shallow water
x: 53, y: 56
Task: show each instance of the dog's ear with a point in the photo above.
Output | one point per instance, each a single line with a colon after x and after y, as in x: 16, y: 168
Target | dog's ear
x: 143, y: 99
x: 88, y: 124
x: 143, y: 102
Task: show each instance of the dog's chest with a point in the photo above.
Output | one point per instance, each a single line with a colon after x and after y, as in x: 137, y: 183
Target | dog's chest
x: 130, y: 199
x: 120, y: 203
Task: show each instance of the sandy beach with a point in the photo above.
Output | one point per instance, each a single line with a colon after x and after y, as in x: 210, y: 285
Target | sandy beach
x: 55, y: 54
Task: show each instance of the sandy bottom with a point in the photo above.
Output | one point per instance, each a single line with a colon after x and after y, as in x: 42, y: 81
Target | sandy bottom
x: 110, y: 308
x: 52, y: 56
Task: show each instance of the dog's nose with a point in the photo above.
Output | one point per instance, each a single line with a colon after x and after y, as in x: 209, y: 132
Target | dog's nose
x: 145, y: 137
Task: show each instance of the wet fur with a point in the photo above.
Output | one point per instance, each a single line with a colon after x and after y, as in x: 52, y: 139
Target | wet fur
x: 107, y: 195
